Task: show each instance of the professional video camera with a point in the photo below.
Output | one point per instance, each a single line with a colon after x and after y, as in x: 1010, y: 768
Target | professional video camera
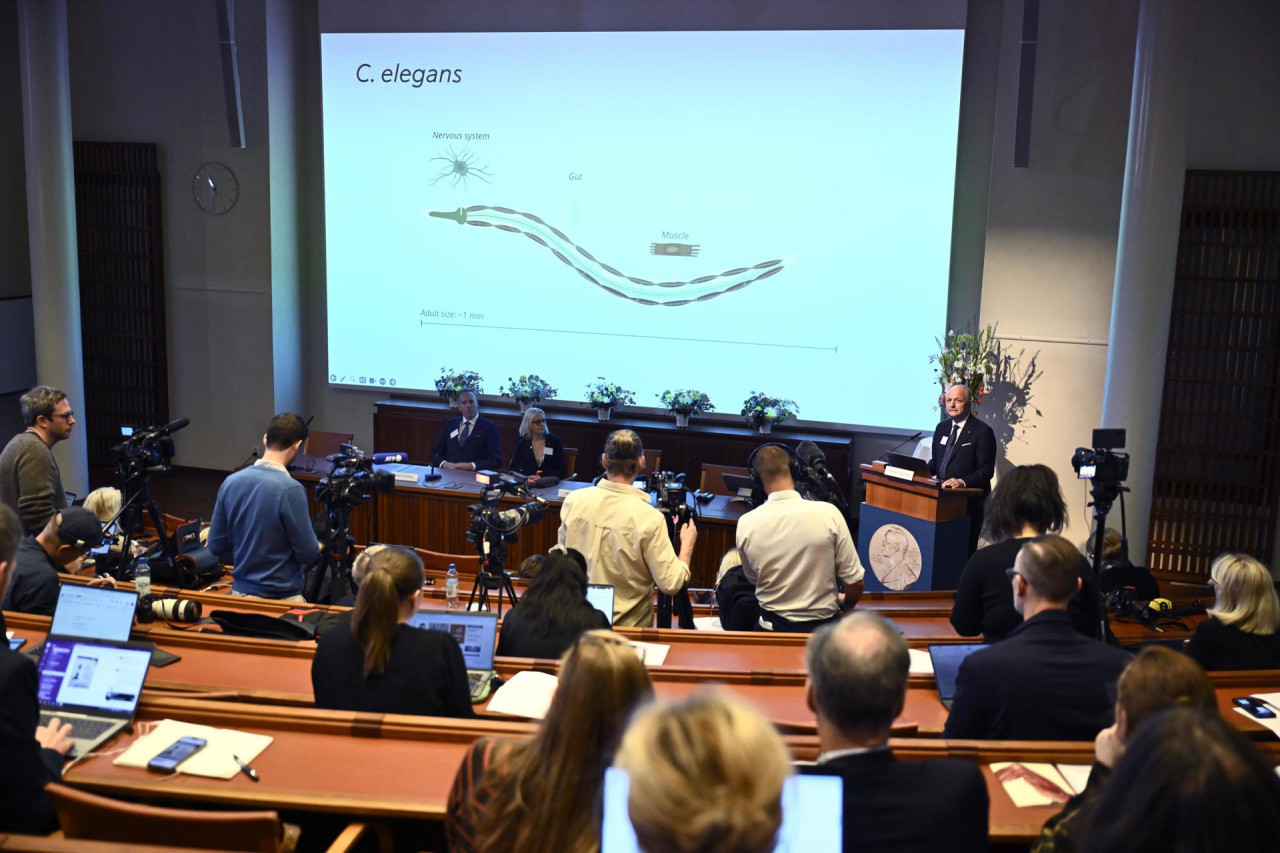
x: 352, y: 480
x: 142, y: 453
x: 818, y: 481
x: 1105, y: 470
x: 146, y: 451
x: 670, y: 496
x: 491, y: 528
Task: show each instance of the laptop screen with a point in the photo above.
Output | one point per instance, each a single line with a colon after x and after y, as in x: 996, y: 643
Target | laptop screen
x: 94, y: 612
x: 476, y: 633
x: 812, y: 815
x: 600, y: 596
x: 946, y: 663
x: 91, y: 677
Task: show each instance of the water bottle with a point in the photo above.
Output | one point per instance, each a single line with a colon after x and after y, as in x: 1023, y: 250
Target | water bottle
x: 142, y: 578
x: 451, y: 586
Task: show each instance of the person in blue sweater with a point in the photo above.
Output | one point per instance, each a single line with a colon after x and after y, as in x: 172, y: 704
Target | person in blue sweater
x: 260, y: 522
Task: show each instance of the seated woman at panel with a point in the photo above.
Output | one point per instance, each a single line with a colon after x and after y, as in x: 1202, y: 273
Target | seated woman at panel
x: 537, y: 451
x: 544, y: 793
x: 1027, y: 503
x: 1158, y: 678
x: 1241, y: 631
x: 553, y: 611
x: 377, y: 662
x: 1187, y: 782
x: 706, y: 774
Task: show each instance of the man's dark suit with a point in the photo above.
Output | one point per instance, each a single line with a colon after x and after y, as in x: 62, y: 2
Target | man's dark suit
x: 482, y: 447
x: 973, y: 460
x: 925, y: 806
x: 1045, y: 681
x: 25, y: 768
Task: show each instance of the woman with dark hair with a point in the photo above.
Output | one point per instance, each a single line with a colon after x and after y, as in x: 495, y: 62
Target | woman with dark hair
x: 379, y: 663
x: 553, y: 611
x: 545, y: 793
x: 537, y: 451
x: 1243, y: 628
x: 1027, y: 503
x: 1187, y: 782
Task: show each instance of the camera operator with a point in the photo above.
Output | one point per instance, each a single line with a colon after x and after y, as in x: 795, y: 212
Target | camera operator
x: 623, y: 537
x: 794, y: 549
x: 260, y: 523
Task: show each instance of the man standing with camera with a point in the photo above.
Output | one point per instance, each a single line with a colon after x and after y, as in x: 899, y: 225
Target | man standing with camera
x: 30, y: 480
x: 793, y: 550
x: 260, y: 522
x: 470, y: 442
x: 623, y: 537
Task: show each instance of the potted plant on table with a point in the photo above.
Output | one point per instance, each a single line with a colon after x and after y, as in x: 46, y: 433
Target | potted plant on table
x: 763, y: 411
x: 684, y: 403
x: 527, y: 390
x: 605, y: 396
x: 451, y: 384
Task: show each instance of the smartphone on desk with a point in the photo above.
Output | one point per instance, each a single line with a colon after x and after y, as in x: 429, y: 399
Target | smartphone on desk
x: 1255, y: 707
x: 176, y: 753
x: 16, y: 643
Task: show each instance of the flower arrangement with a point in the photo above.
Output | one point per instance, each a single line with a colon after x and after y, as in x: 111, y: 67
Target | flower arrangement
x: 608, y: 395
x: 686, y: 402
x: 452, y: 384
x: 969, y: 359
x: 761, y: 409
x: 528, y: 389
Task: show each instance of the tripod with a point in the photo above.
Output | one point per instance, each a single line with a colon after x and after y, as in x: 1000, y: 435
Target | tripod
x: 136, y: 490
x: 1104, y: 494
x: 492, y: 575
x: 336, y: 557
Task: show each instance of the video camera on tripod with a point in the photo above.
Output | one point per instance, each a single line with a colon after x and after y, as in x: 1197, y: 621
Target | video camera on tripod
x: 670, y: 497
x: 146, y: 451
x: 1106, y: 471
x: 491, y: 528
x: 350, y: 482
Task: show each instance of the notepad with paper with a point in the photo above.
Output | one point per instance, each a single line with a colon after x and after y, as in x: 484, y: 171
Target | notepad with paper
x: 214, y: 760
x: 1031, y: 783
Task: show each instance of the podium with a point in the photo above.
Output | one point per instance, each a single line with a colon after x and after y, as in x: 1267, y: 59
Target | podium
x: 913, y: 535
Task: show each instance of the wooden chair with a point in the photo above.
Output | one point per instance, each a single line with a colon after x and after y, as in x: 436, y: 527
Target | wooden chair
x: 570, y: 462
x: 713, y: 478
x: 466, y: 563
x: 320, y: 443
x: 89, y: 816
x: 652, y: 460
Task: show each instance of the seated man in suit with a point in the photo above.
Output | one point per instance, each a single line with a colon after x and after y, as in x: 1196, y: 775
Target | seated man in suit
x: 1045, y: 680
x: 30, y: 754
x: 470, y: 442
x: 857, y: 686
x: 964, y: 455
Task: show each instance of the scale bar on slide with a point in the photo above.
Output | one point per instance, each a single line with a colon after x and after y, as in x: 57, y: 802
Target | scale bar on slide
x: 624, y: 335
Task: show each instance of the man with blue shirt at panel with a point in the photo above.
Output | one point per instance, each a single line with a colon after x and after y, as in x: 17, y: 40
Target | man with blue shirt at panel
x: 468, y: 443
x: 260, y: 521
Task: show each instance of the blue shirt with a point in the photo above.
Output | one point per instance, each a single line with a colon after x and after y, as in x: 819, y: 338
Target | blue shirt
x: 261, y: 526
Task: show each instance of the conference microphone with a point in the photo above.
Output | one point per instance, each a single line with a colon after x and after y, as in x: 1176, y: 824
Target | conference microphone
x: 384, y: 458
x: 900, y: 444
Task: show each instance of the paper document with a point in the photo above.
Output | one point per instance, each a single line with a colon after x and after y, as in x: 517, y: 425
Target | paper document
x: 214, y: 760
x: 921, y: 663
x: 1032, y: 783
x: 654, y: 653
x: 707, y: 623
x: 526, y: 694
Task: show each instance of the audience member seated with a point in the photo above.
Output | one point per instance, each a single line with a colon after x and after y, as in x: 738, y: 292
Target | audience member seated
x: 537, y: 451
x: 857, y: 686
x: 468, y: 442
x: 1241, y: 631
x: 43, y: 558
x: 1026, y: 503
x: 1187, y: 782
x: 1118, y: 572
x: 552, y: 612
x: 795, y: 551
x: 1045, y: 681
x: 1158, y: 678
x: 735, y: 595
x: 706, y: 775
x: 530, y: 566
x: 544, y: 793
x: 104, y: 503
x: 30, y: 754
x: 376, y: 662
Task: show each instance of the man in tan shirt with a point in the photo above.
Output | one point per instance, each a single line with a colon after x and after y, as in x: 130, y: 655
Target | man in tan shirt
x: 623, y: 537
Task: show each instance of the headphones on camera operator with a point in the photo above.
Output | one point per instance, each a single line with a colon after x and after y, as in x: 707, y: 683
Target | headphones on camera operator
x: 758, y: 496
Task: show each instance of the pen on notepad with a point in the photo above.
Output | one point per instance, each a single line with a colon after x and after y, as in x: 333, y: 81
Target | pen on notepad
x: 246, y: 769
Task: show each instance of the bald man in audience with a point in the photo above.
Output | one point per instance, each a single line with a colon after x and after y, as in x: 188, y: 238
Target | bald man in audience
x: 856, y: 687
x: 793, y: 550
x: 1045, y: 680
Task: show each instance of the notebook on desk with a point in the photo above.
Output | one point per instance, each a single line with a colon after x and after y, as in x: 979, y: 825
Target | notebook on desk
x: 92, y: 684
x: 476, y: 634
x: 947, y: 658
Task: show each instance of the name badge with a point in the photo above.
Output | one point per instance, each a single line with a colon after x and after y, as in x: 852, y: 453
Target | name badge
x: 548, y: 451
x: 944, y: 438
x: 454, y: 434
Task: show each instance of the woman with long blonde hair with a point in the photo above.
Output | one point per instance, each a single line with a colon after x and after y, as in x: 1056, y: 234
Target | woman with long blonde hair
x: 1243, y: 628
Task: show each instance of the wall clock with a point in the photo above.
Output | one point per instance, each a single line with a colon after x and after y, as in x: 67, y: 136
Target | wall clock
x: 215, y: 188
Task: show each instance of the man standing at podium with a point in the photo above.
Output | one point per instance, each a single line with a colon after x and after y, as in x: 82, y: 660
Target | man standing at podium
x: 964, y: 455
x: 470, y: 442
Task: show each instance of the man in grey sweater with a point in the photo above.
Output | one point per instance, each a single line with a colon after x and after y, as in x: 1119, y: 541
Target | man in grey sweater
x: 30, y: 481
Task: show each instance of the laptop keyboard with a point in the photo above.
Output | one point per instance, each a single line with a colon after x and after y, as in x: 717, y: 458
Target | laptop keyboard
x: 81, y: 729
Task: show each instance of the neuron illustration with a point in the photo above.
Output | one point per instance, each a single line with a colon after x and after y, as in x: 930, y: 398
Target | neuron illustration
x: 461, y: 166
x: 607, y: 278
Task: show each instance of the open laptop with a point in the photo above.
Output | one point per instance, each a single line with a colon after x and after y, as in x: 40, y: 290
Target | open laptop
x: 600, y: 596
x: 92, y: 684
x: 96, y: 613
x: 946, y: 664
x: 476, y: 634
x: 738, y: 484
x: 812, y: 814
